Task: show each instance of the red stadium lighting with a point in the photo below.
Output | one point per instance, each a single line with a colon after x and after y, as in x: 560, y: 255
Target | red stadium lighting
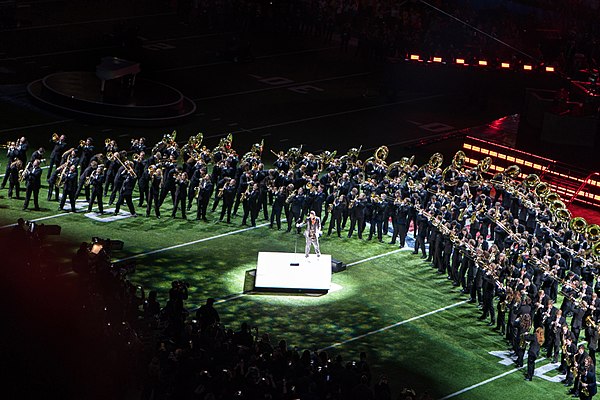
x: 527, y: 67
x: 550, y: 69
x: 505, y: 65
x: 482, y: 63
x: 414, y: 57
x: 460, y: 61
x: 437, y: 59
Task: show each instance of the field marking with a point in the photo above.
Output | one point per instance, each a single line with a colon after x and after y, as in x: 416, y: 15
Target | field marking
x: 87, y: 49
x: 399, y: 323
x: 190, y: 243
x: 284, y: 86
x: 63, y: 213
x: 374, y: 257
x: 335, y: 114
x: 493, y: 378
x: 18, y: 128
x: 289, y: 53
x: 29, y: 28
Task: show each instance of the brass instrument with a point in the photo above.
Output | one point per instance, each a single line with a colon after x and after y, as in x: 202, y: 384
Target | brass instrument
x: 592, y: 233
x: 220, y: 192
x: 137, y: 158
x: 512, y: 171
x: 107, y: 141
x: 8, y: 144
x: 590, y: 323
x: 81, y: 143
x: 542, y: 189
x: 55, y: 137
x: 531, y: 181
x: 24, y: 172
x: 63, y: 172
x: 578, y: 225
x: 289, y: 199
x: 435, y: 161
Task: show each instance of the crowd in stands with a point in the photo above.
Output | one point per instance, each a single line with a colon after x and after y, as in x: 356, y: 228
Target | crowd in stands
x: 564, y: 33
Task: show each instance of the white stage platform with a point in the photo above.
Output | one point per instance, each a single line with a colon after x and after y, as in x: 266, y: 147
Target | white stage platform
x: 293, y: 272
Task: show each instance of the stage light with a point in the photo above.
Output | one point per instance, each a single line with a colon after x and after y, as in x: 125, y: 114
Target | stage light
x: 460, y: 61
x: 414, y: 57
x: 482, y: 63
x: 550, y: 69
x: 527, y: 67
x: 505, y: 65
x: 437, y: 59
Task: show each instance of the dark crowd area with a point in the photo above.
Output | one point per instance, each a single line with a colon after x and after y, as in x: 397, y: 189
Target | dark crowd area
x: 98, y: 336
x: 562, y: 33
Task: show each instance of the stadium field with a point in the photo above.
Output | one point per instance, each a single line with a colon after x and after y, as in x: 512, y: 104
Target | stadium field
x: 415, y: 327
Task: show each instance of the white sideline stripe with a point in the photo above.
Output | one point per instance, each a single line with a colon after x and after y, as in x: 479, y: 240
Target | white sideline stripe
x: 374, y: 257
x: 399, y: 323
x: 335, y: 114
x: 18, y: 128
x: 289, y: 53
x: 190, y: 243
x: 29, y: 28
x: 289, y: 85
x: 61, y: 214
x: 493, y: 378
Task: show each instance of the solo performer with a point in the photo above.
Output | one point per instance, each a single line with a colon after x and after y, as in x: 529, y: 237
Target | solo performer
x: 312, y: 232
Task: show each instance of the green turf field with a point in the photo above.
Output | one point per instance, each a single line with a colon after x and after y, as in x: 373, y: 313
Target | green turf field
x: 414, y: 325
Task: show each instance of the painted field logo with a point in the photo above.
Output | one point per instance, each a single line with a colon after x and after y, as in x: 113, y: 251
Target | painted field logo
x: 544, y: 372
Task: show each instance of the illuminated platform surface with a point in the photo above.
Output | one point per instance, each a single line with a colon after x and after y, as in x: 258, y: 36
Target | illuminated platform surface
x: 293, y: 272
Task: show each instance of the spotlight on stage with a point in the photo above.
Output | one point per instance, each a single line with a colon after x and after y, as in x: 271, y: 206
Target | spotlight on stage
x: 415, y: 57
x: 437, y: 59
x: 460, y: 61
x: 527, y: 67
x: 550, y: 69
x: 482, y: 63
x: 505, y: 65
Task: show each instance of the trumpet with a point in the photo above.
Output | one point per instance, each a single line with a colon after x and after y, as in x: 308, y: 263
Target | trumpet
x: 8, y: 145
x: 107, y: 141
x: 81, y: 143
x: 55, y: 137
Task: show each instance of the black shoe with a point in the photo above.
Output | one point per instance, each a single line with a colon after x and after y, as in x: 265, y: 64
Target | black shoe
x: 471, y: 301
x: 492, y: 323
x: 415, y: 252
x: 482, y: 317
x: 423, y: 257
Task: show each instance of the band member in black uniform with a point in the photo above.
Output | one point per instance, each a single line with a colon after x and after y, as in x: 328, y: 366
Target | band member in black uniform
x: 181, y: 184
x: 95, y: 182
x: 378, y: 211
x: 278, y: 206
x: 399, y: 214
x: 296, y: 204
x: 169, y: 185
x: 141, y: 170
x: 250, y: 200
x: 83, y: 179
x: 535, y: 340
x: 69, y: 188
x: 227, y: 194
x: 22, y: 147
x: 14, y: 180
x: 422, y: 230
x: 60, y: 146
x: 588, y: 380
x: 357, y: 213
x: 311, y: 233
x: 126, y: 193
x: 337, y: 211
x: 489, y: 287
x: 12, y: 154
x: 86, y: 153
x: 204, y: 194
x: 154, y: 191
x: 523, y: 328
x: 593, y: 341
x: 33, y: 179
x: 118, y: 178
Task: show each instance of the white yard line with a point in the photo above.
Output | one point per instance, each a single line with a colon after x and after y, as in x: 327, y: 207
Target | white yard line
x: 190, y: 243
x: 493, y: 378
x: 385, y: 328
